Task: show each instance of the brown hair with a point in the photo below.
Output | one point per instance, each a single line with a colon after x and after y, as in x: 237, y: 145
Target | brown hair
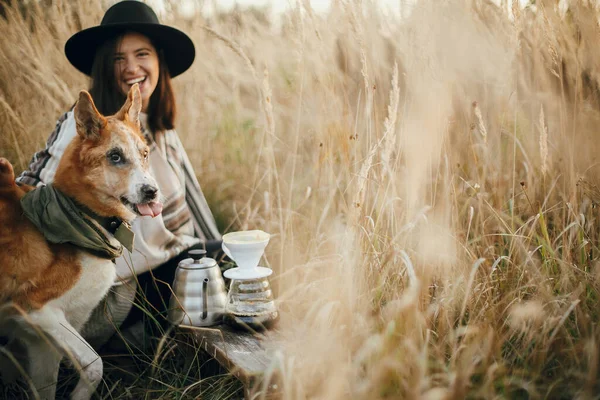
x: 109, y: 99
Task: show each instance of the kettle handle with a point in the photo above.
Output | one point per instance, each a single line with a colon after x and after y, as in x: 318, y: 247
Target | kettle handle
x: 204, y: 298
x: 197, y: 254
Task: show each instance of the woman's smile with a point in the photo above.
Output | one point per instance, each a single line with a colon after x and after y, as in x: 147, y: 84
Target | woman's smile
x: 135, y: 80
x: 142, y: 81
x: 136, y: 61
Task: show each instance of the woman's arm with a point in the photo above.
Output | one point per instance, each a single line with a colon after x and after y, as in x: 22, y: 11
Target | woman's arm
x: 204, y: 221
x: 43, y: 164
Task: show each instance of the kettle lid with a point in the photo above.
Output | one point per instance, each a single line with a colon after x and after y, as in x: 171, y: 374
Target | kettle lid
x: 197, y: 260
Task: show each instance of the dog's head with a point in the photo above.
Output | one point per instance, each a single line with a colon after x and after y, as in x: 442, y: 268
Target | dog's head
x: 106, y: 167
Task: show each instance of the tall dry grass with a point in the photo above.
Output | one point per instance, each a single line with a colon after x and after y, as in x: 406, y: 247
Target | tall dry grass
x: 430, y: 182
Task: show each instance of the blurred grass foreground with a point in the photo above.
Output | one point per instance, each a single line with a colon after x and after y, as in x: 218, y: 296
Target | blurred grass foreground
x: 430, y: 181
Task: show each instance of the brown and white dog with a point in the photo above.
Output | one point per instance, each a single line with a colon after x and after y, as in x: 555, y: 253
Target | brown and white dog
x: 48, y: 291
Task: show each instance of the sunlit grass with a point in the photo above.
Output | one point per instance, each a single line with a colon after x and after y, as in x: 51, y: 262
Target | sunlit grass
x: 435, y: 229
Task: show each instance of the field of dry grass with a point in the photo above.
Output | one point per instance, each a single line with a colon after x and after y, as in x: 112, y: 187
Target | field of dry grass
x: 430, y: 182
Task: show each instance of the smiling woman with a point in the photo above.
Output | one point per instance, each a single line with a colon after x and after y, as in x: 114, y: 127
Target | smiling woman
x: 132, y: 58
x: 136, y: 61
x: 129, y: 47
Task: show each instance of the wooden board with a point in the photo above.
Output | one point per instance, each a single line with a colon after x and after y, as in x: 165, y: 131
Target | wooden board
x: 245, y: 355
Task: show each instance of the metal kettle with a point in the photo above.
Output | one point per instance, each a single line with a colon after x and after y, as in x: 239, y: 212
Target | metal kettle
x: 199, y: 294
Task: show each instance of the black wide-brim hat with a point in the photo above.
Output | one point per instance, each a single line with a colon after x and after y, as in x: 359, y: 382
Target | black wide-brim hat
x: 131, y: 16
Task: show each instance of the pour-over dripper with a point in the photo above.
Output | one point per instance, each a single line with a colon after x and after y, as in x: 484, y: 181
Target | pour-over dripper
x: 246, y: 248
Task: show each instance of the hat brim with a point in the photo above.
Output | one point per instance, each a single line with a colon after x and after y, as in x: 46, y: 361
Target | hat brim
x: 178, y: 48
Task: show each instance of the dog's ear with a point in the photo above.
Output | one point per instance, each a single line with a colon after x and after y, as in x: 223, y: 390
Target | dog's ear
x: 88, y: 120
x: 132, y: 107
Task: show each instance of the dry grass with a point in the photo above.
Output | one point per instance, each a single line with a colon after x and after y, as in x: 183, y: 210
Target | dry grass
x: 430, y: 183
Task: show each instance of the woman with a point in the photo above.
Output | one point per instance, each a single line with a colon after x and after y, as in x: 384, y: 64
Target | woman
x: 131, y: 46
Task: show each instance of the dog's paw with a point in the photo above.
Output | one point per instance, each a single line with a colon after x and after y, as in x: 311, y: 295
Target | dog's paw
x: 7, y: 174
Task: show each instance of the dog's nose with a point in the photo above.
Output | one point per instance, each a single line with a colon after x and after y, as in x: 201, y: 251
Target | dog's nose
x: 149, y: 192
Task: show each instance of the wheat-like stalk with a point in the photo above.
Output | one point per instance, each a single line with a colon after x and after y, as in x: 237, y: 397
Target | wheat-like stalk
x: 359, y: 33
x: 480, y: 125
x: 549, y: 35
x: 543, y: 142
x: 237, y: 49
x: 389, y: 125
x: 516, y: 11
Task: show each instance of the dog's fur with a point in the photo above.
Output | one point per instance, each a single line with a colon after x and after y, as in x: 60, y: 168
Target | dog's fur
x: 48, y: 291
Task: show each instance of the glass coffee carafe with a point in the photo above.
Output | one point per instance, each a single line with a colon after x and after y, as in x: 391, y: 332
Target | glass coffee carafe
x: 250, y: 303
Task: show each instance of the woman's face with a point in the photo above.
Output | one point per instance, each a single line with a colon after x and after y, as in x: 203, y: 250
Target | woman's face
x: 136, y: 61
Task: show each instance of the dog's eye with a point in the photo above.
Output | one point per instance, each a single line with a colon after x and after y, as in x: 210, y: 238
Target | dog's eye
x: 115, y: 158
x: 146, y: 155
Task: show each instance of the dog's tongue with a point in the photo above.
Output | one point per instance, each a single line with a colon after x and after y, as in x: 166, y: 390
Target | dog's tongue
x: 151, y: 209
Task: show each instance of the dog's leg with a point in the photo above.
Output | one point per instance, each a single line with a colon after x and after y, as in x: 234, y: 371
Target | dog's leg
x: 44, y: 361
x: 87, y: 362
